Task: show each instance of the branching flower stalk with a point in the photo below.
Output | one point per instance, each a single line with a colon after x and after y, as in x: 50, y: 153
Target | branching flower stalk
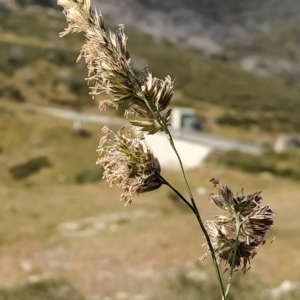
x: 242, y: 227
x: 131, y: 166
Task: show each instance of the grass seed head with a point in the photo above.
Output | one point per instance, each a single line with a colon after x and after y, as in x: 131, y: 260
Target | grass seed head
x: 128, y: 163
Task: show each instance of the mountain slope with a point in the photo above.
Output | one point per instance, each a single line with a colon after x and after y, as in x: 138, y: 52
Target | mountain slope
x: 249, y: 33
x: 37, y: 66
x: 245, y: 32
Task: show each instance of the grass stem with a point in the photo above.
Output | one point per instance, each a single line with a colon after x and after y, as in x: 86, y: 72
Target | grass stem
x: 238, y: 228
x: 197, y: 214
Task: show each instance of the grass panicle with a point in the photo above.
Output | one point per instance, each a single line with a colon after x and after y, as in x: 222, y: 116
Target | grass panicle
x: 128, y: 163
x: 109, y: 69
x: 232, y: 237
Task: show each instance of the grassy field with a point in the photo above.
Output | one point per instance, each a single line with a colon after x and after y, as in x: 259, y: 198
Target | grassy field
x: 51, y: 227
x: 284, y: 164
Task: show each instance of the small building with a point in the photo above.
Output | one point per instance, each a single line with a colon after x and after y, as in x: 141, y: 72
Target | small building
x: 285, y: 142
x: 185, y: 118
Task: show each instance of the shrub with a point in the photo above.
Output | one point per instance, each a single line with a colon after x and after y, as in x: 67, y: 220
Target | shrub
x: 281, y: 164
x: 44, y: 290
x: 30, y: 167
x: 176, y: 201
x: 236, y: 120
x: 194, y: 286
x: 8, y: 90
x: 89, y: 175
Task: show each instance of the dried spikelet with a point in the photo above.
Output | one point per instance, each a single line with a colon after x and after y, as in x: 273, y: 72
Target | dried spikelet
x: 128, y: 163
x: 109, y: 69
x: 243, y: 226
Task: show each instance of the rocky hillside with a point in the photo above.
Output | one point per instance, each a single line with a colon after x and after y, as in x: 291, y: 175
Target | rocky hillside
x: 38, y: 67
x: 261, y: 36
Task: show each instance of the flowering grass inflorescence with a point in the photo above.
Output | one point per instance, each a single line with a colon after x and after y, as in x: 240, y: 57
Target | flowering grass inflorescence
x: 109, y: 69
x: 232, y: 237
x: 128, y: 163
x: 236, y: 234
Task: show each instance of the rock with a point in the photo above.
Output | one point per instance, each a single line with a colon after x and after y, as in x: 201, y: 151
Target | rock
x: 285, y: 287
x: 196, y: 275
x: 285, y: 142
x: 202, y: 191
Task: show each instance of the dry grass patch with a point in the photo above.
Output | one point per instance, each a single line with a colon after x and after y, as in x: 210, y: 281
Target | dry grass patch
x: 130, y: 254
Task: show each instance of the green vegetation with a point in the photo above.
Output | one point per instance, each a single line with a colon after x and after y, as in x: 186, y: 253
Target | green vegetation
x: 281, y: 41
x: 32, y: 210
x: 89, y: 175
x: 27, y: 147
x: 234, y: 10
x: 182, y: 287
x: 176, y: 201
x: 237, y: 120
x: 44, y: 290
x: 269, y: 103
x: 39, y: 67
x: 32, y: 166
x: 46, y: 3
x: 281, y: 164
x: 245, y: 287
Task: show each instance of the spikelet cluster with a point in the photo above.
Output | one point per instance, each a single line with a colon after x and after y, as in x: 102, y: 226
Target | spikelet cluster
x: 128, y: 163
x: 109, y: 69
x: 244, y: 224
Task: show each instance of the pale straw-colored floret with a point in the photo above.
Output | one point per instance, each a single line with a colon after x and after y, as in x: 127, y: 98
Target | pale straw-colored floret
x: 128, y: 163
x: 146, y: 98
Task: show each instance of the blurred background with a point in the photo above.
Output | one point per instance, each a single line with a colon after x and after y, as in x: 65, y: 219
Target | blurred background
x: 64, y: 235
